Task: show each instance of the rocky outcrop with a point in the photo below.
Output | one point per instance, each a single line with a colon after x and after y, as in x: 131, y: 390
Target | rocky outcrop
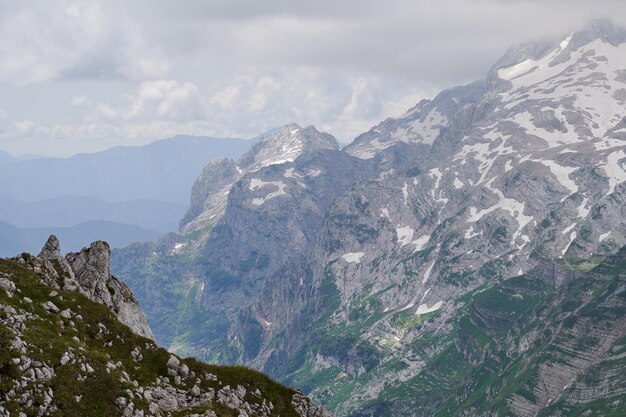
x: 61, y: 353
x: 88, y: 272
x: 306, y: 408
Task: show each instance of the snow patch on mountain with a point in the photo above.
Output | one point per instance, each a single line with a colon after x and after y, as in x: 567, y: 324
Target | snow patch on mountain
x: 353, y: 257
x: 424, y: 309
x: 603, y: 236
x: 256, y: 184
x: 614, y: 169
x: 404, y: 234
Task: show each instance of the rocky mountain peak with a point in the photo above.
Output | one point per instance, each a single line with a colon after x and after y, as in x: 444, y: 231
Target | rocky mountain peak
x: 420, y: 125
x: 598, y: 28
x: 285, y: 144
x: 89, y: 273
x: 51, y: 249
x: 529, y: 56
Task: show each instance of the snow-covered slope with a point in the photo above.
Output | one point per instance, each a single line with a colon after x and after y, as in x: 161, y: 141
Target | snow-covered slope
x: 285, y: 144
x: 422, y: 124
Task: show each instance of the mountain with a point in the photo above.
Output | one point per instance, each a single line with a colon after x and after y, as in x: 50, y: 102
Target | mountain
x: 163, y: 170
x: 124, y: 194
x: 285, y: 144
x: 14, y: 240
x: 437, y: 264
x: 69, y: 211
x: 75, y: 343
x: 5, y: 158
x: 548, y: 343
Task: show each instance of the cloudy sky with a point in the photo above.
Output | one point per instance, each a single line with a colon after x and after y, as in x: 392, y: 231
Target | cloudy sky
x: 81, y: 76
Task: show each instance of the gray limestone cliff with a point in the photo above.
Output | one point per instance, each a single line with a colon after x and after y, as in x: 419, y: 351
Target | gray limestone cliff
x: 88, y: 272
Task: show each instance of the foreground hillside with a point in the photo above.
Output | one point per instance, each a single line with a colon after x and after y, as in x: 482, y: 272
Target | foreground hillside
x: 64, y: 354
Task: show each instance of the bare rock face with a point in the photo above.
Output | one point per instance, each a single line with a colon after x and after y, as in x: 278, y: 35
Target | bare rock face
x: 89, y: 273
x: 91, y: 269
x: 205, y: 194
x: 306, y: 408
x: 51, y: 265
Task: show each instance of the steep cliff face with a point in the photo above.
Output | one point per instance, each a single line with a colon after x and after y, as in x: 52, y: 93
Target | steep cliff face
x: 88, y: 272
x: 348, y: 273
x: 65, y: 353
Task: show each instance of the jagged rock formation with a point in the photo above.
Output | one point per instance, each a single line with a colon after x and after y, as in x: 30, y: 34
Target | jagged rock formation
x: 210, y: 191
x: 346, y: 272
x: 88, y: 272
x: 64, y: 353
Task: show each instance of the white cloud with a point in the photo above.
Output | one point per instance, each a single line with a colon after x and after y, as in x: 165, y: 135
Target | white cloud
x: 166, y: 99
x: 241, y: 67
x: 139, y: 60
x: 341, y: 104
x: 332, y: 100
x: 41, y: 42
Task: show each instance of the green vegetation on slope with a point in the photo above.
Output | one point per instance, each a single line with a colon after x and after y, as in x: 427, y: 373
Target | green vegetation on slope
x: 551, y: 342
x: 94, y: 360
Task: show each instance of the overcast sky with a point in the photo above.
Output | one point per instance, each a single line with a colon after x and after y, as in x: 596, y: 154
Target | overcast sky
x: 81, y: 76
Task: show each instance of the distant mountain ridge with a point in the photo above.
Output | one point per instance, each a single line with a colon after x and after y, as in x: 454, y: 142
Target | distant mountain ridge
x: 68, y: 211
x: 15, y: 240
x: 163, y: 170
x: 5, y: 158
x: 139, y: 192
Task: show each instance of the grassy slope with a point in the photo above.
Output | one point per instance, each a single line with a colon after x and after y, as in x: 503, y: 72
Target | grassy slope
x: 49, y: 336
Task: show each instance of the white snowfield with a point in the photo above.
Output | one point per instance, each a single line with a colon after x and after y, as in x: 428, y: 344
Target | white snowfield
x: 410, y: 130
x: 353, y: 257
x: 424, y: 309
x: 615, y: 169
x: 405, y: 236
x: 256, y: 183
x: 603, y: 236
x: 533, y: 71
